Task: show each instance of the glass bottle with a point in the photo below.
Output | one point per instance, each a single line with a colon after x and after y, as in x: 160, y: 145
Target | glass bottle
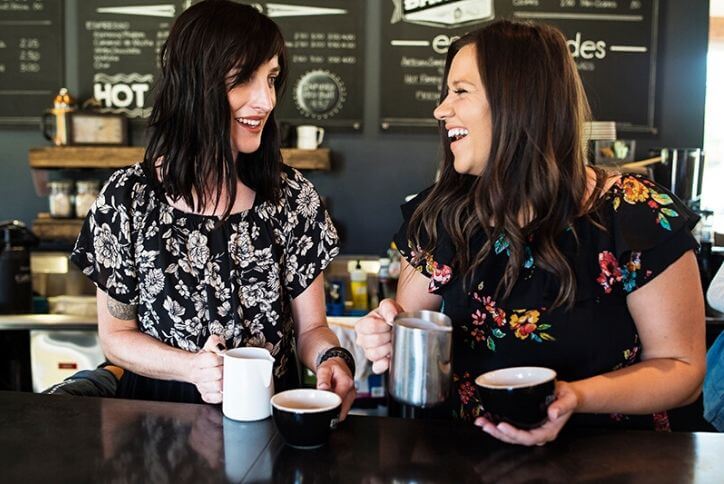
x: 86, y: 194
x: 61, y: 198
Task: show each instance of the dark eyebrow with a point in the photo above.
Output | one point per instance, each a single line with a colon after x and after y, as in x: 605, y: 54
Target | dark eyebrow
x: 275, y: 70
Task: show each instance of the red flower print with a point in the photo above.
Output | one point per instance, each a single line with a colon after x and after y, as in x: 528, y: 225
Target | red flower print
x: 441, y: 273
x: 498, y: 316
x: 526, y: 329
x: 610, y: 271
x: 466, y: 391
x: 478, y: 334
x: 479, y: 317
x: 653, y: 204
x: 661, y: 422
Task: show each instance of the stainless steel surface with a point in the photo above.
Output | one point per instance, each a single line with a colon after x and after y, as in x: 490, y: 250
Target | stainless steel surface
x: 420, y: 369
x: 47, y: 321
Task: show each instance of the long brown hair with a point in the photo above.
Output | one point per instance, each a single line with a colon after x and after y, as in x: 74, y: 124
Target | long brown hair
x: 534, y: 182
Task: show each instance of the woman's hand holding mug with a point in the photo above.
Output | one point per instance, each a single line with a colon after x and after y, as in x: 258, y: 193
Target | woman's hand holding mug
x: 374, y: 334
x: 207, y: 369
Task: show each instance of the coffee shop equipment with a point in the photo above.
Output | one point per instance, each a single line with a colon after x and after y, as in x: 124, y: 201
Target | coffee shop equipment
x: 248, y: 384
x: 420, y: 368
x: 16, y: 288
x: 16, y: 296
x: 56, y: 118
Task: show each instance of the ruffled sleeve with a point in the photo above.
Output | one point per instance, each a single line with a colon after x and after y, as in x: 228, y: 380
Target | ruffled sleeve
x: 436, y: 264
x: 311, y: 238
x: 651, y: 229
x: 104, y: 250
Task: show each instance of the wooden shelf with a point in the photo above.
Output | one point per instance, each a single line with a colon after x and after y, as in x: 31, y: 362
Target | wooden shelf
x: 48, y: 228
x: 319, y: 159
x: 119, y: 156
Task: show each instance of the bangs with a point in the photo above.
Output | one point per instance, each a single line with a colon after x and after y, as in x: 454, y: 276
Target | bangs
x: 268, y: 42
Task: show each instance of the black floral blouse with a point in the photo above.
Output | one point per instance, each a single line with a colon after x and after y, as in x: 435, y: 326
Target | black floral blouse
x: 646, y: 230
x: 190, y: 278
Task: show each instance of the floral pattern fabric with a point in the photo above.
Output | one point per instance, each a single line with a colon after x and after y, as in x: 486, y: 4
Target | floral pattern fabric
x: 637, y: 231
x: 192, y: 277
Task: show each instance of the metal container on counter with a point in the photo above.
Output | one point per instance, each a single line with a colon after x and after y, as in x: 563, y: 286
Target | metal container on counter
x: 421, y: 367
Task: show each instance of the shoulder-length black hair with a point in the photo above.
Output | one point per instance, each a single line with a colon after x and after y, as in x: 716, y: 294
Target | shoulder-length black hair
x: 190, y: 124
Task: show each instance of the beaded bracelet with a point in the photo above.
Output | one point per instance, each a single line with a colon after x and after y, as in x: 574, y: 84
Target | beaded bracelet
x: 338, y: 352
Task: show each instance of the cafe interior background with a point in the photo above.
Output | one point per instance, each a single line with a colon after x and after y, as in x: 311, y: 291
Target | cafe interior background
x: 379, y: 144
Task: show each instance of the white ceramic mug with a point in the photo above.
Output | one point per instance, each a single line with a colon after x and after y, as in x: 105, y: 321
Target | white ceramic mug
x: 248, y: 384
x: 309, y: 137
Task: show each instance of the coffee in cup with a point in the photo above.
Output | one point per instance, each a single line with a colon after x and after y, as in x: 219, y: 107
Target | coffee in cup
x: 519, y: 395
x: 304, y: 417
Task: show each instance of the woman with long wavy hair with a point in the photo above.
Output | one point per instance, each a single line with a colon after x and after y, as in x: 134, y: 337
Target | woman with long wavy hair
x: 540, y: 260
x: 211, y: 242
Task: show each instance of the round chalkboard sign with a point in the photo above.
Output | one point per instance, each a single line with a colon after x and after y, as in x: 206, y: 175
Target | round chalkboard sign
x: 319, y: 94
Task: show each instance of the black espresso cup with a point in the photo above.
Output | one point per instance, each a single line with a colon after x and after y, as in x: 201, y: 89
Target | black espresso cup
x: 519, y: 395
x: 304, y: 417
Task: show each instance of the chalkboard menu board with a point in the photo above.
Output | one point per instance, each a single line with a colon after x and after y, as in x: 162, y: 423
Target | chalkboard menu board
x: 613, y: 44
x: 118, y: 56
x: 118, y: 47
x: 31, y: 58
x: 326, y: 70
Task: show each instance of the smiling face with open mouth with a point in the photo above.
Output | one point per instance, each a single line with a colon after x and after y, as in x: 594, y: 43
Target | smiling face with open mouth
x: 251, y: 103
x: 466, y: 113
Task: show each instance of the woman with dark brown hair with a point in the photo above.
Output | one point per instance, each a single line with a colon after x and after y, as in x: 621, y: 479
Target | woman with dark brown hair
x: 211, y: 242
x: 540, y: 260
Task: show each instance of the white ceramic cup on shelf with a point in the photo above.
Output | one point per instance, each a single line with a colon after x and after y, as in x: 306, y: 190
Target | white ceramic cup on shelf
x: 309, y: 137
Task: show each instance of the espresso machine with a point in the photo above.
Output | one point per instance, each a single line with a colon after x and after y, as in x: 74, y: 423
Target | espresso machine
x: 16, y: 289
x: 16, y: 297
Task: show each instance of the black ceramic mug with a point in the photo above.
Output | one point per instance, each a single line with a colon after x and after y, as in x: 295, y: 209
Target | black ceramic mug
x: 519, y: 395
x: 304, y: 417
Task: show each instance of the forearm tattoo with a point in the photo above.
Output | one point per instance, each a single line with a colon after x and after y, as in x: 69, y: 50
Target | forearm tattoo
x: 122, y: 311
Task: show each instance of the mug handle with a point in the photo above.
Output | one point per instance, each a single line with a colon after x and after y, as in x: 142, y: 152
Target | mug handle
x: 320, y: 136
x: 45, y: 126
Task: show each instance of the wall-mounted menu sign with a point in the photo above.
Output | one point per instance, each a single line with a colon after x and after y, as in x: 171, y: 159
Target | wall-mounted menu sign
x: 324, y: 41
x: 31, y: 58
x: 118, y: 47
x: 613, y: 43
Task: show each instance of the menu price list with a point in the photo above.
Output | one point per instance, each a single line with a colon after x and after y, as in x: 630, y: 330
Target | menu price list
x: 118, y: 50
x: 324, y: 43
x: 31, y: 58
x: 613, y: 44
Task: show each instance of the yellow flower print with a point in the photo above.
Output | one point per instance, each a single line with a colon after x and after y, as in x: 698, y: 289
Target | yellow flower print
x: 634, y: 191
x: 525, y: 324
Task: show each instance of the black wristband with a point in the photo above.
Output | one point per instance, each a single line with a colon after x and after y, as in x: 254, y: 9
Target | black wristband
x: 338, y: 352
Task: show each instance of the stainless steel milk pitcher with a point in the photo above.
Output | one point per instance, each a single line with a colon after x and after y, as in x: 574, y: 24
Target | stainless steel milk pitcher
x: 420, y: 369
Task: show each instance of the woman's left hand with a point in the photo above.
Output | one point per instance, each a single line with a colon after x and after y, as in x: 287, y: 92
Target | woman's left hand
x: 558, y: 414
x: 333, y: 374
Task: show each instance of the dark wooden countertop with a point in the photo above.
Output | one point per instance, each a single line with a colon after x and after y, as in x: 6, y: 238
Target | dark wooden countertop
x: 48, y: 438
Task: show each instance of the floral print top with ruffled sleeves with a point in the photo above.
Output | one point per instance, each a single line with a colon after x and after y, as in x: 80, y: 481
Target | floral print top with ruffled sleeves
x: 191, y: 277
x: 644, y: 229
